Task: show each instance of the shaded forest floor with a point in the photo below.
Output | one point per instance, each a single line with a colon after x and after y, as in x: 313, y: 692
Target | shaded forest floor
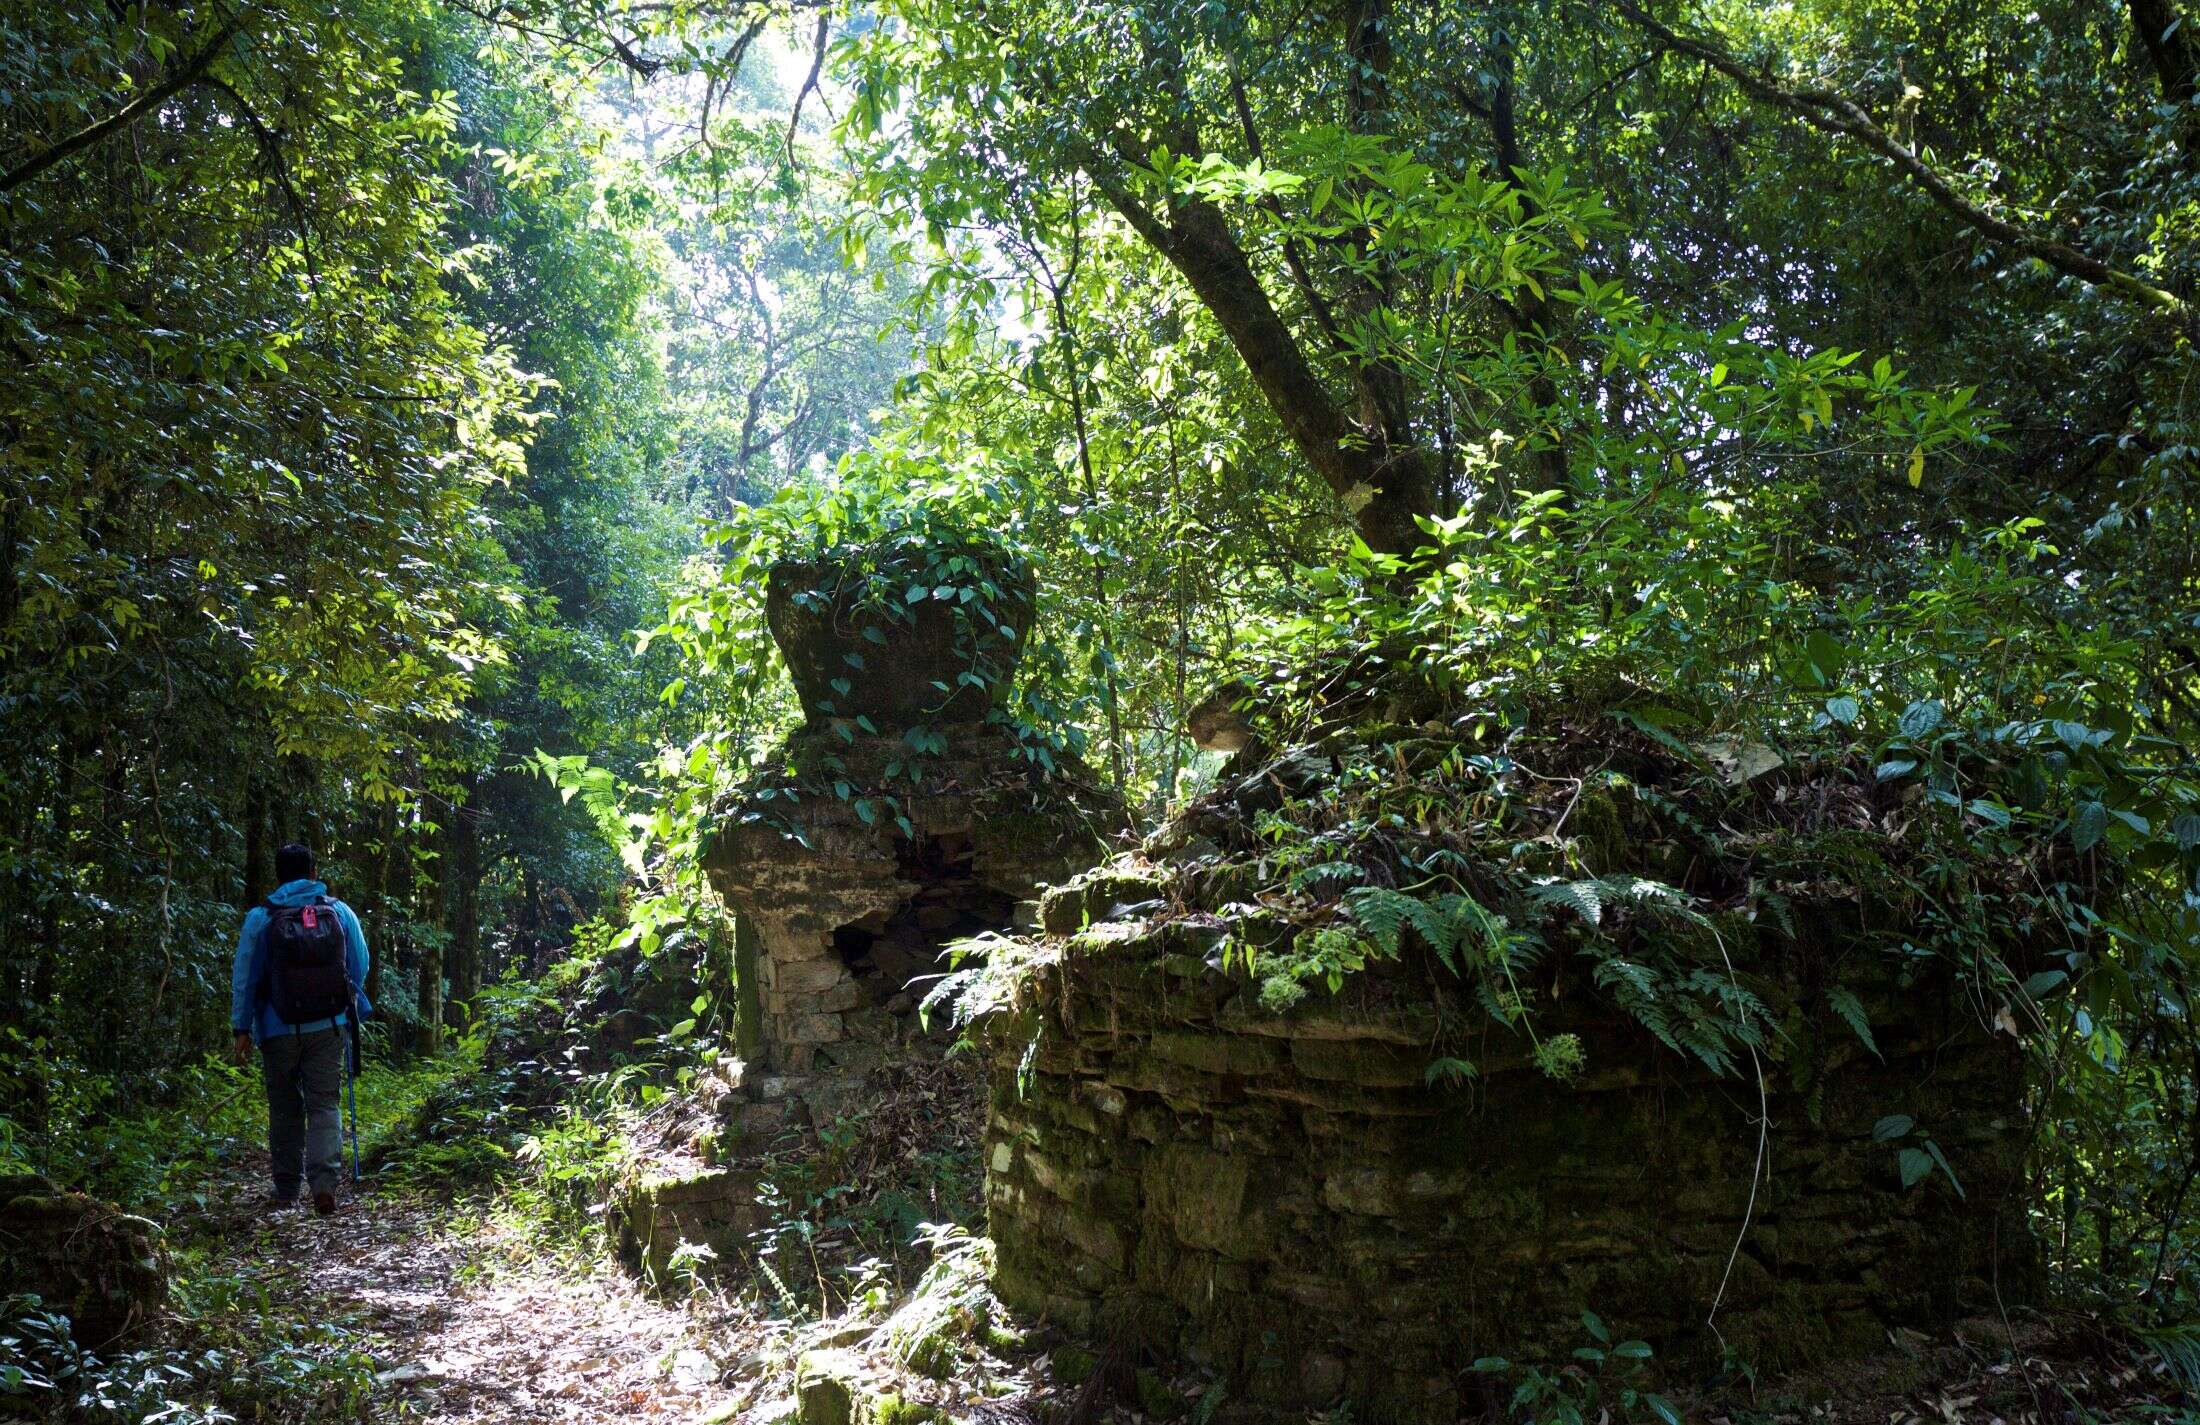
x: 483, y: 1295
x: 472, y: 1315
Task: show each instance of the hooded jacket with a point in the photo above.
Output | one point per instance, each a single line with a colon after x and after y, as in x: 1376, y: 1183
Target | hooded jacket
x: 249, y: 1012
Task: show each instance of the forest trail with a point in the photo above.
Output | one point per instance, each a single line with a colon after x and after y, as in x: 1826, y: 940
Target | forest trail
x: 468, y: 1326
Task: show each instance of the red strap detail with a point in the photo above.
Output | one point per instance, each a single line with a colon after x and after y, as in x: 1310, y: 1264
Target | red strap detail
x: 309, y: 917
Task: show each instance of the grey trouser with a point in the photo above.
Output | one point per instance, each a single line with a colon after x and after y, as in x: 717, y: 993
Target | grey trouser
x: 305, y: 1093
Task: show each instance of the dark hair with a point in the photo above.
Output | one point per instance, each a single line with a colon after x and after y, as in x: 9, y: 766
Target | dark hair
x: 293, y: 862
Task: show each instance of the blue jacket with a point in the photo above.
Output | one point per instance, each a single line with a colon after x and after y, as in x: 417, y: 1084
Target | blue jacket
x: 248, y: 1013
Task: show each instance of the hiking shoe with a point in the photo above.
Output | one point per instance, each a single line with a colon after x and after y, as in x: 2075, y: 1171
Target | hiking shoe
x: 324, y: 1204
x: 276, y: 1202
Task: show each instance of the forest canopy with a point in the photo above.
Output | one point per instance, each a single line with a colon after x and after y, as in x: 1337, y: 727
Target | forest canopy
x: 404, y: 401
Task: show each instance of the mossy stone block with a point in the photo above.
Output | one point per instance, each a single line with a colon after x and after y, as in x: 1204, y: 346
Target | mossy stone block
x: 826, y: 1387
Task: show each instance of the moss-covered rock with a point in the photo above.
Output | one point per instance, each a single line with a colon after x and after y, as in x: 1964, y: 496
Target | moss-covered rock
x: 857, y: 647
x: 833, y: 1386
x: 103, y: 1268
x: 653, y: 1216
x: 827, y: 1386
x: 894, y: 1410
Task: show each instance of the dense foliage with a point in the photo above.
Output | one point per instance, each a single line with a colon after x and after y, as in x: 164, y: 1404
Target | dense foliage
x: 403, y: 403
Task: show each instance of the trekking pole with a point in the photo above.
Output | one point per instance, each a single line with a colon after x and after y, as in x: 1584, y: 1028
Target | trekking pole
x: 351, y: 1095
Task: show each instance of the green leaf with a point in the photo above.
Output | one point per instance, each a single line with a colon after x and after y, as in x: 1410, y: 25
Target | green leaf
x: 1920, y: 718
x: 1843, y: 711
x: 1915, y: 1165
x: 2135, y: 821
x: 1826, y: 654
x: 1942, y: 1159
x: 1843, y: 1001
x: 1584, y: 898
x: 1448, y: 1071
x: 2088, y: 825
x: 1893, y: 1126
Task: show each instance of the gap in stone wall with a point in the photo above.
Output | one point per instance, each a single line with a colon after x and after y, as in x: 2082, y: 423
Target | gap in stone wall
x: 893, y: 956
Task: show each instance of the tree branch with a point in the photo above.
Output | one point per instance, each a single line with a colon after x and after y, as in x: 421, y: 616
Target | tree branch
x: 2169, y: 45
x: 1385, y: 488
x: 1294, y: 253
x: 809, y: 82
x: 192, y: 71
x: 1836, y: 113
x: 272, y: 150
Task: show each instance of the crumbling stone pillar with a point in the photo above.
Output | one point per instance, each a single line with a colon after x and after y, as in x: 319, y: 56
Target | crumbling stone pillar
x: 905, y: 815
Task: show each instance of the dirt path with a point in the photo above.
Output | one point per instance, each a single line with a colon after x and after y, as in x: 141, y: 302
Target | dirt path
x: 467, y: 1326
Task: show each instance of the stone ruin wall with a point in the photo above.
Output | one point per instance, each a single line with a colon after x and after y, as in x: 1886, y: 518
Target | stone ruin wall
x: 840, y: 926
x: 844, y: 927
x: 850, y: 864
x: 1286, y: 1201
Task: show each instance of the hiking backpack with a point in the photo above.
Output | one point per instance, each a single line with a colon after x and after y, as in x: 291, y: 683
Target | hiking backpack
x: 306, y: 976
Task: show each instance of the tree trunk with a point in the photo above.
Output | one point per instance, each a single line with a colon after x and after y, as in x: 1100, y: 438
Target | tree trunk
x: 48, y: 950
x: 2176, y: 58
x: 2171, y: 47
x: 1380, y: 476
x: 378, y: 903
x: 1530, y: 314
x: 259, y: 862
x: 431, y: 964
x: 748, y: 1003
x: 463, y: 858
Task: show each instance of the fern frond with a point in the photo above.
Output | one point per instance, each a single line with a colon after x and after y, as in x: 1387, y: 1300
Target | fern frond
x: 1324, y: 871
x: 1381, y: 914
x: 1584, y: 898
x: 1384, y: 915
x: 1844, y: 1002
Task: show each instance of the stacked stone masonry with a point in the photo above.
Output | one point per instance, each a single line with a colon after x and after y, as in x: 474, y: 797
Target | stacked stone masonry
x: 902, y: 817
x: 847, y: 910
x: 1288, y: 1201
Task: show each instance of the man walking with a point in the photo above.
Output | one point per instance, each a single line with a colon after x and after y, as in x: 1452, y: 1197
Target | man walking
x: 295, y: 991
